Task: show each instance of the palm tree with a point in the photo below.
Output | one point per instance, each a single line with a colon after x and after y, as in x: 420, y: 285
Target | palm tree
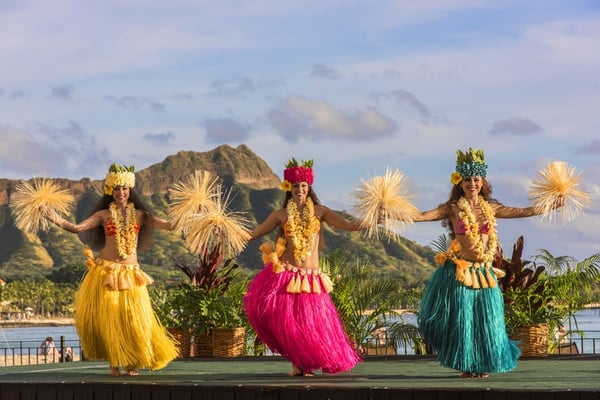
x: 367, y: 302
x: 572, y: 284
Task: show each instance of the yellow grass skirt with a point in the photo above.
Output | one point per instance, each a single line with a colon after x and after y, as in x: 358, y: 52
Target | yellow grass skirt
x: 116, y: 322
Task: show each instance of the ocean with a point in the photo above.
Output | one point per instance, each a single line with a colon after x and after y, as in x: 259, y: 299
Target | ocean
x: 588, y: 321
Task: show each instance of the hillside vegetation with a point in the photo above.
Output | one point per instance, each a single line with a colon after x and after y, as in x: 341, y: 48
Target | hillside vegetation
x: 255, y: 189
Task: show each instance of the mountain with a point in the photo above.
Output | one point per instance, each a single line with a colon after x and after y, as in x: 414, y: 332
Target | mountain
x: 255, y: 191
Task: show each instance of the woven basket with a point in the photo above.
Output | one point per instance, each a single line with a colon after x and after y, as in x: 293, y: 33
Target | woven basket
x: 184, y: 339
x: 203, y: 346
x: 228, y: 342
x: 533, y: 340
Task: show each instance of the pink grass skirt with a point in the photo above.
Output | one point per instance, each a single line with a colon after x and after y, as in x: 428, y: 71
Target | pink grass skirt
x: 305, y: 328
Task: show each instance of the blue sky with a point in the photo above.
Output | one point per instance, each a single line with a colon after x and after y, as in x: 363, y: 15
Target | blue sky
x: 358, y: 86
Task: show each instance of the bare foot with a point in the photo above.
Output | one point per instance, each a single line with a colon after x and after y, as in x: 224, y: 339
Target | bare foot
x: 132, y: 372
x: 465, y: 375
x: 308, y: 373
x: 483, y: 375
x: 114, y: 371
x: 296, y: 371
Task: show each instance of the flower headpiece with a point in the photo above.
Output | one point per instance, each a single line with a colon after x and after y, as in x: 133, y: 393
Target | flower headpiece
x: 119, y: 175
x: 295, y: 173
x: 469, y: 163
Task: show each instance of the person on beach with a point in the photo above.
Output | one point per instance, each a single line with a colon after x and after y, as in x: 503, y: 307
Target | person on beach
x: 462, y: 310
x: 113, y: 311
x: 48, y: 348
x: 288, y: 303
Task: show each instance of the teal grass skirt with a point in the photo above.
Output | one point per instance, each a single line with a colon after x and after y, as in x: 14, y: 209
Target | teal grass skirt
x: 466, y: 326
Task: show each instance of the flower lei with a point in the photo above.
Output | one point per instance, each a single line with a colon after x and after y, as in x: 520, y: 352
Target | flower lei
x: 300, y: 228
x: 472, y: 228
x: 126, y: 234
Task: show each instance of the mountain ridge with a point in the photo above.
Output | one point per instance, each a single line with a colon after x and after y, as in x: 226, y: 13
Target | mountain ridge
x: 255, y: 189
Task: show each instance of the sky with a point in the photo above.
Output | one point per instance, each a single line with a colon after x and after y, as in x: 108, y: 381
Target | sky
x: 358, y: 86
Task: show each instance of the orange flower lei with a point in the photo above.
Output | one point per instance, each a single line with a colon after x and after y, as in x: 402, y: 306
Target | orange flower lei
x: 126, y: 235
x: 301, y: 229
x: 472, y: 228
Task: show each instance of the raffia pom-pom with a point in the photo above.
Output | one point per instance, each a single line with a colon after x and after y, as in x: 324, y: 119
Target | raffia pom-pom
x: 558, y: 180
x: 316, y: 287
x: 89, y: 257
x: 270, y: 256
x: 190, y: 197
x: 294, y: 284
x: 31, y: 203
x: 305, y: 287
x: 462, y: 271
x: 499, y: 272
x: 490, y: 278
x: 326, y: 282
x: 142, y: 278
x: 383, y: 205
x: 267, y: 252
x: 474, y: 280
x: 88, y: 253
x: 280, y: 246
x: 124, y: 280
x: 110, y: 280
x: 218, y: 226
x: 482, y: 280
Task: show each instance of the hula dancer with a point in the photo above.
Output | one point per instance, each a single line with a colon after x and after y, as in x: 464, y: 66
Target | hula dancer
x: 462, y: 310
x: 288, y: 303
x: 113, y: 313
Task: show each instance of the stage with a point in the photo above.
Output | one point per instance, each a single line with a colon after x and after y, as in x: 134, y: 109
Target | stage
x: 254, y: 378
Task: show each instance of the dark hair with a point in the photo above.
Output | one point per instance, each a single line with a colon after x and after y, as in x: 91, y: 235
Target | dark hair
x: 96, y: 238
x: 457, y: 192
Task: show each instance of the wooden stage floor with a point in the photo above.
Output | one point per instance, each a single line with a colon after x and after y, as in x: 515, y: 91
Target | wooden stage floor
x: 253, y: 378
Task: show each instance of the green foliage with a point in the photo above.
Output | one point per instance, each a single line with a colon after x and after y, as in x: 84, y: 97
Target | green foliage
x: 46, y: 298
x: 549, y: 290
x: 68, y: 274
x: 211, y: 296
x: 366, y: 302
x: 256, y: 191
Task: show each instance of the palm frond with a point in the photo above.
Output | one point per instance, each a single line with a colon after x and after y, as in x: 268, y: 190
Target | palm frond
x: 32, y: 202
x: 441, y: 244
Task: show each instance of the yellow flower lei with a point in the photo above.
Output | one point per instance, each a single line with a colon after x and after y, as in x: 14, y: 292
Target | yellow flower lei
x: 126, y: 235
x: 472, y: 228
x: 300, y: 228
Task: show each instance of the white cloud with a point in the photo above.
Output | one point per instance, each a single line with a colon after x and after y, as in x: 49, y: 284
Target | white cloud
x: 404, y: 85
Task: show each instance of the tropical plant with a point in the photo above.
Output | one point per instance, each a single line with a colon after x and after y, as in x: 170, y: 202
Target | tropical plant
x: 548, y: 290
x: 526, y: 298
x: 212, y: 296
x: 573, y: 285
x: 366, y: 302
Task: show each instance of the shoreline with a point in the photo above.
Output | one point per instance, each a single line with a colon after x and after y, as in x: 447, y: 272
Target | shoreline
x: 28, y: 323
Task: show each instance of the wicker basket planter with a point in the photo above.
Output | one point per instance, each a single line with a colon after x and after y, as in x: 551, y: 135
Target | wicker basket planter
x: 184, y: 338
x: 203, y: 346
x: 228, y: 342
x: 532, y: 339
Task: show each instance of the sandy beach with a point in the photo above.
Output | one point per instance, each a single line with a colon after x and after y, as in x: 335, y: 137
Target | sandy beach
x: 36, y: 322
x: 10, y: 360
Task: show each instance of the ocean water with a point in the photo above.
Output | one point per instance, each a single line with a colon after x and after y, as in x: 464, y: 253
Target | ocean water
x: 588, y: 321
x: 20, y: 340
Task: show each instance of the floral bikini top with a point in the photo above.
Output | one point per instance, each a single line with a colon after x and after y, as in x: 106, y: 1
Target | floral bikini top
x: 111, y: 228
x: 314, y: 228
x: 460, y: 228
